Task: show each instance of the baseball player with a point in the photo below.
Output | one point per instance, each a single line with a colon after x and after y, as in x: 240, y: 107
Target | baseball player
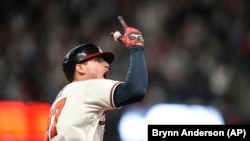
x: 78, y: 112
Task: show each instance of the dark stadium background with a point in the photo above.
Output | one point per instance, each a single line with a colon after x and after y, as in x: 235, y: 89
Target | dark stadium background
x: 197, y: 51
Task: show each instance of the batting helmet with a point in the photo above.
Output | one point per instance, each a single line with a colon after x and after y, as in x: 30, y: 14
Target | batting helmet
x: 80, y: 54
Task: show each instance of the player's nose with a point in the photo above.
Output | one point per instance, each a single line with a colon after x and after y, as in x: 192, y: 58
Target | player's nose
x: 106, y: 64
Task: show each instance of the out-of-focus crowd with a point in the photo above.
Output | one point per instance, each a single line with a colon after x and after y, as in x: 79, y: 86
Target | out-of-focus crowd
x: 197, y: 51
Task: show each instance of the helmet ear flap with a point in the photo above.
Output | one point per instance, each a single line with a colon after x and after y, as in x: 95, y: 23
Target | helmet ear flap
x: 69, y: 72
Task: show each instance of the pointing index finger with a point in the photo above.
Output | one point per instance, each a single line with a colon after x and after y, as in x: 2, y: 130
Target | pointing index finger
x: 122, y: 21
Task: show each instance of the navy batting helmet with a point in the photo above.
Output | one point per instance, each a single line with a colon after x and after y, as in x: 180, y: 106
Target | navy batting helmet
x: 80, y: 54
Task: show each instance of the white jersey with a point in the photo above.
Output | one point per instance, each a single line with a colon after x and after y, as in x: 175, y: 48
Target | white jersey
x: 78, y: 113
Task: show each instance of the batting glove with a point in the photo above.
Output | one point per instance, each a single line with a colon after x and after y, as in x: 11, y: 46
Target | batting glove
x: 132, y: 37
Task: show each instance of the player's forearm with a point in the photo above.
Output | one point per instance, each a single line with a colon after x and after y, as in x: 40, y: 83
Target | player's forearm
x: 137, y: 77
x: 135, y: 85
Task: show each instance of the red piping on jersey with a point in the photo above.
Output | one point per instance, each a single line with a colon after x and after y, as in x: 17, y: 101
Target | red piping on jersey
x: 111, y: 94
x: 101, y: 122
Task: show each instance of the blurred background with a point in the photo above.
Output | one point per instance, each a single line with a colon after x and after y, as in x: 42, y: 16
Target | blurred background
x: 197, y: 51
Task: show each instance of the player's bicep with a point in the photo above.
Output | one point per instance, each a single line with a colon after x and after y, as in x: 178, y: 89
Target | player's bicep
x: 125, y: 94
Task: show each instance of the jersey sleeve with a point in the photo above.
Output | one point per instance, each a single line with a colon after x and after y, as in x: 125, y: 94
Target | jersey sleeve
x: 100, y: 93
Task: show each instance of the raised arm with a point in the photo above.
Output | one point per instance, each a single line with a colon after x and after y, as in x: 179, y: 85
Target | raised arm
x: 135, y: 85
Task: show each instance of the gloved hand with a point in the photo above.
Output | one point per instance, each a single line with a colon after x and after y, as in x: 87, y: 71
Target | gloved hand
x: 132, y: 37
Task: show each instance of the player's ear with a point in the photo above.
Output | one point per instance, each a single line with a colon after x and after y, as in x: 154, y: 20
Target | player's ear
x: 80, y: 68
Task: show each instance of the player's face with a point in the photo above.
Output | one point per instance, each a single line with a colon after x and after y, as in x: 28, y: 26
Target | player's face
x: 96, y: 68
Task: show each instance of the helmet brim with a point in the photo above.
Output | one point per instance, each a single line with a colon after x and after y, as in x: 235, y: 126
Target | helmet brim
x: 107, y: 56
